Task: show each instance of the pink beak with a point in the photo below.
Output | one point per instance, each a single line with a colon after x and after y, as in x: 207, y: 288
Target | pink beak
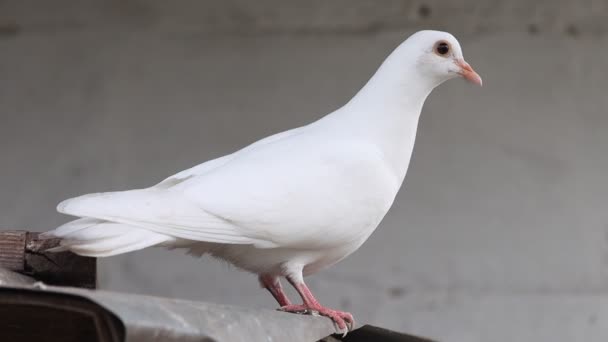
x: 468, y: 73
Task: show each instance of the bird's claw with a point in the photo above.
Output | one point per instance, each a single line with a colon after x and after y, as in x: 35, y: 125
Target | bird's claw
x: 351, y: 325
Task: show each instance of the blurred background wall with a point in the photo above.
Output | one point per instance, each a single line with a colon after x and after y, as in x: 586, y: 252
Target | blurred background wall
x: 501, y: 230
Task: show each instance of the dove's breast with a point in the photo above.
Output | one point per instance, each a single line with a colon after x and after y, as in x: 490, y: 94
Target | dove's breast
x: 275, y: 260
x: 324, y: 204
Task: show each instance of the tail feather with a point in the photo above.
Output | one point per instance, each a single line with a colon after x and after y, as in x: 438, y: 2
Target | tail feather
x: 97, y: 238
x: 70, y: 228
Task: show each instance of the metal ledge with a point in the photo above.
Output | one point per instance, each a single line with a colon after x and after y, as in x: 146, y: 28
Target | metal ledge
x: 36, y: 311
x: 49, y: 310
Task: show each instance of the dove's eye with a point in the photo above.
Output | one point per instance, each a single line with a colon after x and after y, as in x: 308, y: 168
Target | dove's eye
x: 442, y: 48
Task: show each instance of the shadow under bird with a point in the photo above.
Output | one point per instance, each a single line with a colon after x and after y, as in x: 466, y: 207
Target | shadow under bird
x: 290, y: 204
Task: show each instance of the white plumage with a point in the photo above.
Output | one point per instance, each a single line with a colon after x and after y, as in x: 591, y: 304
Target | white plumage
x: 289, y: 204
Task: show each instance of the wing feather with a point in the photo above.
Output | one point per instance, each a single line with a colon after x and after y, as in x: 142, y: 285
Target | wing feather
x: 211, y: 165
x: 158, y: 210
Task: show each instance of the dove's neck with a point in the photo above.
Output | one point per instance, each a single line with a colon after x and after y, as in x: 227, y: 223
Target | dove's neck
x: 386, y: 110
x: 398, y: 88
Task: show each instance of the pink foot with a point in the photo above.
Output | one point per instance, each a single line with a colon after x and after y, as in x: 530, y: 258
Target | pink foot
x: 343, y: 320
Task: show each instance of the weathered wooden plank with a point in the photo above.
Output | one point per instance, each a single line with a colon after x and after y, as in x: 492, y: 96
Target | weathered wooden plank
x: 12, y: 250
x: 24, y: 252
x: 64, y: 268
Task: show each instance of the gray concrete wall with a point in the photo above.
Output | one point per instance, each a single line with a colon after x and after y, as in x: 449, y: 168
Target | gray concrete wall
x: 500, y: 233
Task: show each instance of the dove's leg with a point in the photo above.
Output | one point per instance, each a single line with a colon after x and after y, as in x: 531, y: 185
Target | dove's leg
x: 343, y: 320
x: 273, y: 285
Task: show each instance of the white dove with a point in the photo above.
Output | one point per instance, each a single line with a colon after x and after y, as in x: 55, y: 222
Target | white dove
x: 290, y: 204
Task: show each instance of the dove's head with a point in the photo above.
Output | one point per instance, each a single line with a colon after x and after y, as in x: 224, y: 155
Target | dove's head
x: 438, y: 56
x: 408, y: 75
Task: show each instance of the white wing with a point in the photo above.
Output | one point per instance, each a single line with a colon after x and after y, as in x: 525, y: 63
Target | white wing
x: 301, y: 193
x: 158, y: 210
x: 215, y: 163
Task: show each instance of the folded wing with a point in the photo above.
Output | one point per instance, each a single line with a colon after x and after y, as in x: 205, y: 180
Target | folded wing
x: 157, y: 210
